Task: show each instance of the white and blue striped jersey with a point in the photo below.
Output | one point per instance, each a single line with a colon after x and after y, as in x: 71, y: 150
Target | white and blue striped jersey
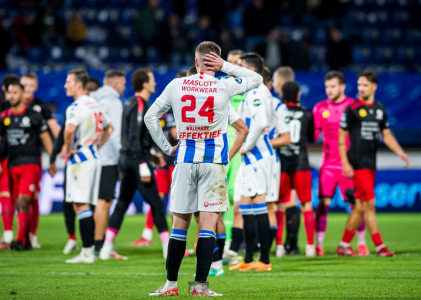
x: 258, y: 100
x: 280, y: 121
x: 86, y: 114
x: 200, y: 105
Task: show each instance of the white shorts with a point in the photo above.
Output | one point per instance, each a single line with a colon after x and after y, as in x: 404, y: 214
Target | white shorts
x: 238, y: 184
x: 199, y: 187
x: 257, y: 176
x: 275, y: 180
x: 82, y: 181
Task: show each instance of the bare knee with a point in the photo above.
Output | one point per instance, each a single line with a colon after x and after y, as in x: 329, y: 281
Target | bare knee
x: 306, y: 206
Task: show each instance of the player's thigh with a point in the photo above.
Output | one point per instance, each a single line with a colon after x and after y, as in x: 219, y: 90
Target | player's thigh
x: 184, y: 189
x: 29, y: 179
x: 162, y: 180
x: 273, y: 193
x: 285, y: 188
x: 14, y: 178
x: 128, y: 179
x: 82, y: 181
x: 328, y: 182
x: 302, y: 184
x: 4, y: 178
x: 346, y: 186
x: 256, y: 178
x: 238, y: 185
x: 212, y: 190
x: 149, y: 190
x: 364, y: 184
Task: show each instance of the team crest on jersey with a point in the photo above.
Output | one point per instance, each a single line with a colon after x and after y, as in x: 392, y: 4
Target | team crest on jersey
x: 287, y: 119
x: 363, y: 112
x: 379, y: 114
x: 326, y: 114
x: 37, y: 108
x: 257, y: 102
x: 239, y: 80
x: 6, y: 122
x: 162, y: 122
x: 26, y: 122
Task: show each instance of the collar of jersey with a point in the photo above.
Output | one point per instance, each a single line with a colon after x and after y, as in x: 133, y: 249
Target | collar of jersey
x: 204, y: 73
x: 290, y: 104
x: 27, y: 101
x: 337, y: 103
x: 21, y: 112
x: 80, y: 98
x: 365, y: 103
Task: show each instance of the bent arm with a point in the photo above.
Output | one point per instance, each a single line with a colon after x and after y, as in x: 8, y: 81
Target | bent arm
x: 54, y: 127
x: 152, y: 117
x: 105, y: 135
x: 283, y: 140
x: 256, y: 129
x: 242, y: 132
x: 390, y: 141
x: 253, y: 79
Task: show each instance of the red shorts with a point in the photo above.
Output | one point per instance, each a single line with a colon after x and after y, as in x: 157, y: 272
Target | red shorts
x: 4, y: 177
x: 364, y: 184
x: 300, y: 181
x: 329, y: 178
x: 163, y: 179
x: 24, y: 180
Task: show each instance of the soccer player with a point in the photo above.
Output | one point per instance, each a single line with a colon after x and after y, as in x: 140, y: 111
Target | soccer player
x: 364, y: 120
x: 23, y: 128
x: 7, y: 206
x: 256, y: 170
x: 30, y: 83
x: 87, y: 130
x: 134, y: 164
x: 294, y: 161
x: 279, y: 136
x: 327, y: 116
x: 108, y: 96
x: 92, y: 85
x: 200, y: 106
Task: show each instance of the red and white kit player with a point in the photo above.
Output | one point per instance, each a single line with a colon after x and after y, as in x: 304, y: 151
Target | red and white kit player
x: 327, y: 116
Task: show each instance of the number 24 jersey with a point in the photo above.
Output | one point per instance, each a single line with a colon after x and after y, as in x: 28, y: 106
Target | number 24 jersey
x: 200, y: 105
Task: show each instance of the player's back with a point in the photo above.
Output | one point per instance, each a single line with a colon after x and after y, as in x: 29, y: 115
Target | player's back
x: 259, y: 99
x: 200, y: 106
x: 294, y: 157
x: 327, y: 117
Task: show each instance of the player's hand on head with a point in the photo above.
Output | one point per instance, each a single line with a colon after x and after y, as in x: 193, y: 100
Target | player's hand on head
x: 174, y: 149
x: 213, y: 62
x: 348, y: 171
x: 405, y: 158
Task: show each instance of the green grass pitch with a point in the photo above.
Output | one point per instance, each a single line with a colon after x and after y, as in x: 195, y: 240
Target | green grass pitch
x: 42, y: 273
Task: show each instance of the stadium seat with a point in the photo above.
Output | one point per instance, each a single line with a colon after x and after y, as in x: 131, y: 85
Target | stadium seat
x: 370, y: 36
x: 57, y: 54
x: 235, y: 19
x: 361, y: 55
x: 405, y: 55
x: 383, y: 55
x: 319, y: 36
x: 355, y: 17
x: 392, y: 36
x: 400, y: 18
x: 35, y: 54
x: 413, y: 36
x: 89, y: 15
x: 124, y: 55
x: 318, y: 55
x: 79, y: 53
x: 103, y: 16
x: 127, y: 15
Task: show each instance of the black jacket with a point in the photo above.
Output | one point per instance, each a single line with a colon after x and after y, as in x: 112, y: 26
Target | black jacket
x: 136, y: 140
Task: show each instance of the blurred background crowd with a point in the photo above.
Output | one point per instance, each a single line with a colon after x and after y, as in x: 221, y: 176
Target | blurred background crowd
x: 315, y: 35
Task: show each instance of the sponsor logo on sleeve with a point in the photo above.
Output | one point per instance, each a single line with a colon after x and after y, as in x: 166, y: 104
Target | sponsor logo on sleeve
x: 239, y: 80
x: 257, y: 102
x: 379, y: 114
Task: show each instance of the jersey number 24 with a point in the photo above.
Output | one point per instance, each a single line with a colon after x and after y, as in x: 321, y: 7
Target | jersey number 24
x: 205, y: 111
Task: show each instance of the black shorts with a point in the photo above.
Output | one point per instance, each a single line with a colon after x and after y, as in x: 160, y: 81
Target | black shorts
x: 109, y: 177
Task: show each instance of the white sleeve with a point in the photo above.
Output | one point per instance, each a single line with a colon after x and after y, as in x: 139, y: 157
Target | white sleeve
x: 75, y: 114
x: 258, y: 124
x: 283, y: 124
x: 114, y: 116
x: 233, y: 115
x: 154, y: 113
x: 246, y: 79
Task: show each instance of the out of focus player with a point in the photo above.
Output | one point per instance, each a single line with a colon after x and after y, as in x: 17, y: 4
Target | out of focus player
x: 22, y: 127
x: 87, y: 129
x: 92, y: 85
x: 256, y: 170
x: 30, y: 83
x: 7, y: 206
x: 294, y: 161
x: 364, y: 120
x: 327, y: 116
x: 200, y: 182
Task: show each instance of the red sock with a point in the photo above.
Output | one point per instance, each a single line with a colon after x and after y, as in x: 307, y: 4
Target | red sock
x: 377, y: 239
x: 24, y: 220
x: 72, y: 236
x: 149, y: 223
x: 7, y: 212
x: 309, y: 224
x: 33, y: 227
x: 280, y: 230
x: 348, y: 236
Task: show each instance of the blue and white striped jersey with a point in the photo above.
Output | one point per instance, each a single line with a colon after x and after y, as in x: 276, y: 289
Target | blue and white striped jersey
x: 258, y: 100
x: 200, y: 105
x: 86, y: 114
x: 280, y: 121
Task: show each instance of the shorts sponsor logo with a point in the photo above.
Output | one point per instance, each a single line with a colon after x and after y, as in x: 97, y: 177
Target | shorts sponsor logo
x: 6, y: 121
x: 207, y: 204
x: 363, y: 112
x: 32, y: 187
x: 326, y: 114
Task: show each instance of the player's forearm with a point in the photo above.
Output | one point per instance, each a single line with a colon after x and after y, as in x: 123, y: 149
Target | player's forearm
x: 390, y: 141
x: 106, y: 135
x: 152, y: 123
x: 46, y: 141
x: 342, y: 146
x: 253, y: 79
x: 54, y: 127
x: 281, y: 141
x: 68, y: 138
x: 256, y: 129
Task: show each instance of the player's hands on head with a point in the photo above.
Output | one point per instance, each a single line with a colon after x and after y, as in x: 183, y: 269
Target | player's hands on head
x: 348, y: 170
x: 213, y: 62
x: 174, y: 149
x: 405, y: 158
x: 52, y: 169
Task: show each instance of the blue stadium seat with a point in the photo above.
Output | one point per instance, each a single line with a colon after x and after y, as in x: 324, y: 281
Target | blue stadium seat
x: 89, y: 15
x: 5, y: 3
x: 79, y: 53
x: 392, y: 36
x: 382, y: 3
x: 319, y: 36
x: 35, y: 55
x: 355, y: 17
x: 118, y: 3
x: 91, y: 3
x: 418, y: 55
x: 405, y: 55
x: 361, y: 3
x: 400, y: 18
x: 318, y: 55
x: 103, y: 16
x: 361, y: 54
x: 137, y: 3
x: 413, y: 36
x: 383, y: 55
x: 124, y: 55
x: 127, y: 15
x: 370, y: 36
x: 57, y: 54
x: 235, y: 19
